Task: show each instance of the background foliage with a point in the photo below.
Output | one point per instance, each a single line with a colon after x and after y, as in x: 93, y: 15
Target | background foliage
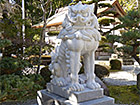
x: 17, y: 88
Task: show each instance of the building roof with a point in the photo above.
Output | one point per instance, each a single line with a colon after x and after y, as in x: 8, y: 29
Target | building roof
x: 115, y: 4
x: 58, y: 18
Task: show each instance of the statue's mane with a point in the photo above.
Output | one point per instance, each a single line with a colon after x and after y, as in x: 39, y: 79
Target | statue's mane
x: 80, y: 17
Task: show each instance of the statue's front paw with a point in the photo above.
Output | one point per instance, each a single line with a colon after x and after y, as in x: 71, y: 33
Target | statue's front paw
x: 59, y: 82
x: 93, y: 85
x: 76, y: 87
x: 81, y: 81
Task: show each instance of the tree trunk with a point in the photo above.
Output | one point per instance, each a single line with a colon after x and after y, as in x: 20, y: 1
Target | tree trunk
x: 42, y: 34
x: 136, y: 58
x: 96, y: 8
x: 134, y: 53
x: 41, y: 44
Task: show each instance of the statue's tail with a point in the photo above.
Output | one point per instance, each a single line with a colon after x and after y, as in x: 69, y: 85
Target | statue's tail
x: 61, y: 57
x: 64, y: 56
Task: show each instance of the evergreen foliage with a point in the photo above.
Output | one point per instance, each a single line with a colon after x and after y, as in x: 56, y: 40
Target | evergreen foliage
x: 4, y: 43
x: 103, y: 45
x: 19, y: 88
x: 105, y: 21
x: 128, y: 5
x: 9, y: 65
x: 131, y: 25
x: 11, y: 27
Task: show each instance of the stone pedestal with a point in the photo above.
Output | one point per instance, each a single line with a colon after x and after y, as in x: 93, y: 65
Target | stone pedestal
x: 55, y: 95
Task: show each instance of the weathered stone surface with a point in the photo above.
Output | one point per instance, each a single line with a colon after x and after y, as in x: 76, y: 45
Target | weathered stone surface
x: 80, y: 37
x: 46, y: 98
x: 86, y: 94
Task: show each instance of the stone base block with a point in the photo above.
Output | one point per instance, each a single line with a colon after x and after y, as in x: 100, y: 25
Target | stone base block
x: 47, y: 98
x: 87, y: 94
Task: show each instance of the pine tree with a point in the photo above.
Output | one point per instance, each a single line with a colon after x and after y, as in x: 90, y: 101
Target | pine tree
x: 131, y: 26
x: 128, y: 5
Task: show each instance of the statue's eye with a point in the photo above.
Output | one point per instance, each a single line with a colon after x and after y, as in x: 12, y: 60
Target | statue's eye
x: 85, y: 14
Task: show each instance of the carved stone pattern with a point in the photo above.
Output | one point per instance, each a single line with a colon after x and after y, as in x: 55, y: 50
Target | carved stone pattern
x: 80, y: 37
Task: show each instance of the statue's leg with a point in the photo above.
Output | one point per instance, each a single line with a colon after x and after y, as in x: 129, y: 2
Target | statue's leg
x: 75, y: 67
x: 89, y: 65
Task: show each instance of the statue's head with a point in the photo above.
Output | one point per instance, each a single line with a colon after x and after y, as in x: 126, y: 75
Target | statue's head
x: 81, y: 14
x: 79, y: 17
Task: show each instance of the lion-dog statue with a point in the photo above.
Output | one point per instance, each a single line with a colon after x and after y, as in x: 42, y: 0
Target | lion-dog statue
x: 80, y: 37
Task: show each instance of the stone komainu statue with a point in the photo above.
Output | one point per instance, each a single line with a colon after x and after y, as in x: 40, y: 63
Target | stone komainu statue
x: 80, y: 37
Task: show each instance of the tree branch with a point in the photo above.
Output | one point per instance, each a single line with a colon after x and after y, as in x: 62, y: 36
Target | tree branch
x: 42, y: 34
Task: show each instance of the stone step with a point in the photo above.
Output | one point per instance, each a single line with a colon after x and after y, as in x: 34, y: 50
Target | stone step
x: 86, y: 94
x: 46, y: 98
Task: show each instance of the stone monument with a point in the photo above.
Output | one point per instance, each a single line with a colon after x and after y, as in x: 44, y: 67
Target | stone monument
x: 80, y: 37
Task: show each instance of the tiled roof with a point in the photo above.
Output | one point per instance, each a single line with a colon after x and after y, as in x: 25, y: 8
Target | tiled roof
x: 58, y: 18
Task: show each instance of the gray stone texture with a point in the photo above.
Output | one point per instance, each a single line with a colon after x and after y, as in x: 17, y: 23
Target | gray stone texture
x: 81, y: 96
x: 46, y: 98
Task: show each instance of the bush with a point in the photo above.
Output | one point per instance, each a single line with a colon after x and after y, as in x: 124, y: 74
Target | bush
x: 115, y: 64
x: 45, y: 73
x: 34, y: 60
x: 100, y: 71
x: 17, y: 88
x: 9, y: 65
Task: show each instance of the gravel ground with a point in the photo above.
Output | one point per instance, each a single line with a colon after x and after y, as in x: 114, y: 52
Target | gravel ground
x: 121, y: 78
x: 126, y: 77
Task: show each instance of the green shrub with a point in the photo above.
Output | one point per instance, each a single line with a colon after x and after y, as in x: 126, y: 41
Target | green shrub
x: 4, y: 43
x: 17, y: 88
x: 45, y: 73
x: 34, y: 60
x: 100, y: 71
x: 9, y: 65
x: 37, y: 78
x: 115, y: 64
